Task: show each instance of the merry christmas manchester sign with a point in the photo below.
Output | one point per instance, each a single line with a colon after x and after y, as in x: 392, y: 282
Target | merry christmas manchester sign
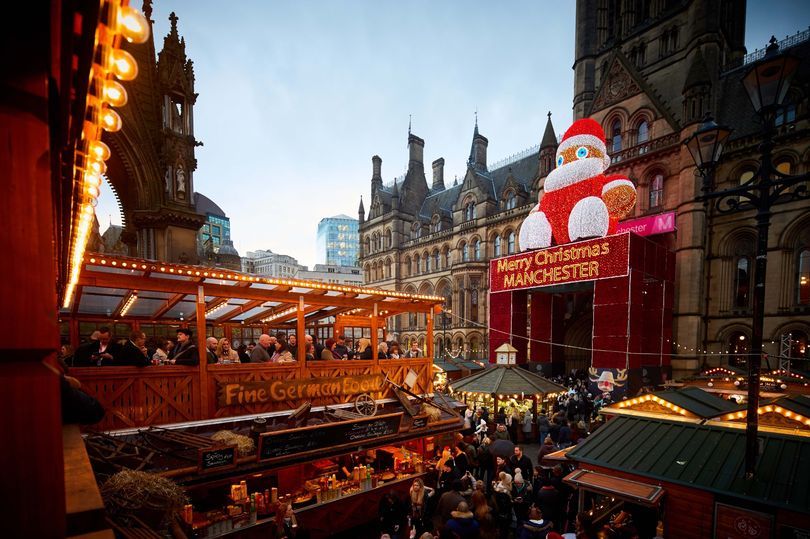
x: 589, y: 260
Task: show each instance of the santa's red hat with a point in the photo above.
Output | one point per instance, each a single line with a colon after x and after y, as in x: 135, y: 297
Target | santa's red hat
x: 585, y: 132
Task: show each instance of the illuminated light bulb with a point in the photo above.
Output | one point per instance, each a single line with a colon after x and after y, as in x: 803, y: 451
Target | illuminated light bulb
x: 97, y: 167
x: 110, y: 120
x: 114, y: 93
x: 132, y: 25
x: 92, y: 191
x: 99, y: 150
x: 122, y: 64
x: 93, y: 179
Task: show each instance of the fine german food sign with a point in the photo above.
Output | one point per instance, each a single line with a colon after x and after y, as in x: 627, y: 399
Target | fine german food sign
x: 260, y: 392
x: 588, y: 260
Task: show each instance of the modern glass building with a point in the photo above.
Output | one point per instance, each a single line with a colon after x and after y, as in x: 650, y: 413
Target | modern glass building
x: 338, y: 241
x: 217, y: 227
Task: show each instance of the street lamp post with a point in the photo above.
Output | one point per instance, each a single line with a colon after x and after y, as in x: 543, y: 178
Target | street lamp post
x: 767, y: 83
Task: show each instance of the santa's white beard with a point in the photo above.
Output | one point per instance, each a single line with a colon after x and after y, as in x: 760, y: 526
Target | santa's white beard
x: 573, y: 172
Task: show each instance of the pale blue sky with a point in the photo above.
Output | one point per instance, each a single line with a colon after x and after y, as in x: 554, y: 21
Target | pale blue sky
x: 296, y: 96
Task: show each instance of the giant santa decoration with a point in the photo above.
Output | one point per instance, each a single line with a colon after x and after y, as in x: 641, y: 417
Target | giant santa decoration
x: 579, y: 201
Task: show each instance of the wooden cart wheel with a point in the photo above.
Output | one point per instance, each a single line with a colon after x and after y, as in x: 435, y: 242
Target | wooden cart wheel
x: 365, y: 404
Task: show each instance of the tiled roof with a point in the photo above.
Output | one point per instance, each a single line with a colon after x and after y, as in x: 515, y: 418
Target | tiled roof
x: 701, y: 403
x: 506, y: 379
x: 705, y: 457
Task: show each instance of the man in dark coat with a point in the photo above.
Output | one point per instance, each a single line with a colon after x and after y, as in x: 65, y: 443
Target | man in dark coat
x: 519, y: 460
x: 447, y: 504
x: 132, y: 353
x: 186, y: 352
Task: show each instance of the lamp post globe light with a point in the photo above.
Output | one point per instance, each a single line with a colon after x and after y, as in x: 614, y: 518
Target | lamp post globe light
x: 766, y: 83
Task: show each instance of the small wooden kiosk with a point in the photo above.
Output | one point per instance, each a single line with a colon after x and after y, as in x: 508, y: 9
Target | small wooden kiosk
x: 678, y: 457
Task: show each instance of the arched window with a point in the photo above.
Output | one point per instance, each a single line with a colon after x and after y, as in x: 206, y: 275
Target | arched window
x: 416, y: 265
x: 389, y: 243
x: 616, y: 135
x: 783, y: 166
x: 477, y: 249
x: 465, y: 253
x: 474, y: 305
x: 497, y: 246
x: 437, y: 259
x: 510, y: 244
x: 388, y: 269
x: 462, y: 306
x: 448, y: 259
x: 416, y: 231
x: 408, y: 271
x: 742, y: 283
x: 643, y: 132
x: 469, y: 211
x: 737, y: 349
x: 785, y: 114
x: 368, y: 245
x: 511, y: 200
x: 803, y: 278
x: 427, y: 263
x: 656, y: 191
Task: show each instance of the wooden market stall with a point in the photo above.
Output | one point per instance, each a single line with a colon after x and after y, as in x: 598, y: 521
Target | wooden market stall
x: 677, y: 457
x: 508, y: 386
x: 141, y: 294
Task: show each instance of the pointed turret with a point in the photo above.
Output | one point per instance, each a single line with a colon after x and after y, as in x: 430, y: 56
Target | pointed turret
x: 395, y: 196
x: 698, y: 73
x: 361, y: 211
x: 478, y: 149
x: 548, y: 149
x: 549, y: 137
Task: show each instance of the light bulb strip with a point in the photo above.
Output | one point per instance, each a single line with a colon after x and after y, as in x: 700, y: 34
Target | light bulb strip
x: 128, y: 304
x: 90, y: 151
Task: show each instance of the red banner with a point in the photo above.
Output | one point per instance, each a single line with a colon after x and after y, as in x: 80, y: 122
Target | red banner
x: 589, y: 260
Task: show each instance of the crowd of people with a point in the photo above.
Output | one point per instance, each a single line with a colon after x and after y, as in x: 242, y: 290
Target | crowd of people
x: 103, y: 351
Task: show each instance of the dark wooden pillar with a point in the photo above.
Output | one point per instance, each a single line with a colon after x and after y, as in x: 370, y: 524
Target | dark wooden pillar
x: 32, y: 484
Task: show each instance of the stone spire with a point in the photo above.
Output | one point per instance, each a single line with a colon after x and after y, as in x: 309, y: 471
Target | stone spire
x: 478, y: 149
x: 395, y: 196
x: 549, y: 138
x: 376, y: 174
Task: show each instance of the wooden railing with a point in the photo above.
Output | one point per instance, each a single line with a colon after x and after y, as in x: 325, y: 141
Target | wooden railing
x: 136, y: 397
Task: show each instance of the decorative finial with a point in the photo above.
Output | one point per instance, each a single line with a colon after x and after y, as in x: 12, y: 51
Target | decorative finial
x: 173, y: 19
x: 549, y: 115
x: 476, y: 116
x: 410, y: 117
x: 147, y: 9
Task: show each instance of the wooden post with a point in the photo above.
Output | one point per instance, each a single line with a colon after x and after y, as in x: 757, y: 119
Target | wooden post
x: 202, y: 353
x: 429, y: 337
x: 374, y: 334
x: 301, y: 338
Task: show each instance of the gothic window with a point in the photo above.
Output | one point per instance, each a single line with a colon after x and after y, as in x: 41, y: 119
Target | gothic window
x: 742, y: 283
x: 803, y: 278
x: 368, y: 245
x: 737, y: 348
x: 641, y: 55
x: 616, y: 135
x: 408, y: 267
x: 388, y: 269
x: 783, y: 166
x: 657, y: 191
x: 477, y: 249
x: 673, y: 39
x: 511, y: 200
x: 448, y: 259
x: 469, y: 210
x: 497, y: 246
x: 427, y: 263
x: 465, y: 254
x: 436, y: 224
x: 416, y: 231
x: 643, y: 132
x: 510, y: 243
x: 389, y: 243
x: 462, y: 306
x: 474, y: 305
x: 437, y: 258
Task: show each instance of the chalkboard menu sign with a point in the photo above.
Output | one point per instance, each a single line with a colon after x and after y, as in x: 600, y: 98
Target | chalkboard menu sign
x: 216, y: 458
x: 419, y: 422
x: 309, y: 439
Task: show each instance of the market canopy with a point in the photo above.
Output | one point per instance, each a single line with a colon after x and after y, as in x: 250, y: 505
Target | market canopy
x: 703, y: 456
x: 506, y: 380
x: 117, y: 287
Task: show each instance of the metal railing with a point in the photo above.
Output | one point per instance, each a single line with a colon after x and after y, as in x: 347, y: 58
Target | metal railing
x: 644, y: 148
x: 789, y: 41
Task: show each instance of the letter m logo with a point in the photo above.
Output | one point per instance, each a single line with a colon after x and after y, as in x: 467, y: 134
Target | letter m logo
x: 664, y: 223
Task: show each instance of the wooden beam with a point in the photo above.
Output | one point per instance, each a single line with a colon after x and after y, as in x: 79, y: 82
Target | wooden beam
x: 430, y: 333
x: 117, y: 311
x: 301, y: 353
x: 77, y: 298
x: 170, y: 303
x: 374, y: 334
x: 242, y: 309
x: 268, y: 312
x: 113, y: 280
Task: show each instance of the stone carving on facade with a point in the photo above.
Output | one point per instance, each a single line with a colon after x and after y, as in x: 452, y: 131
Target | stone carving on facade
x: 181, y: 182
x: 618, y: 86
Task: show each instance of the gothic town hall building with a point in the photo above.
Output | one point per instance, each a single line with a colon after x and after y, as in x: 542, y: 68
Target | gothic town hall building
x: 648, y: 72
